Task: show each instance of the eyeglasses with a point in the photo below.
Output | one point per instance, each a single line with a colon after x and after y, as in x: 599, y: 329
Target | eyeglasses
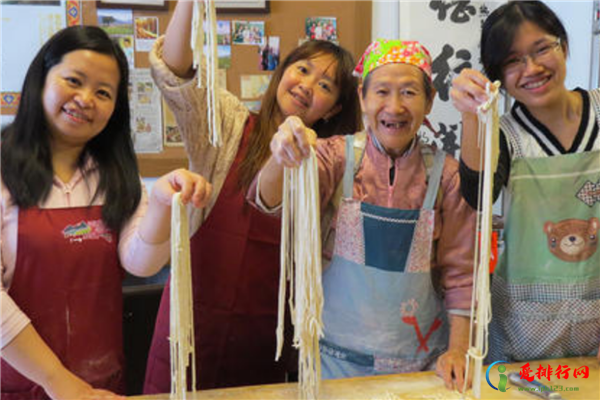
x: 538, y: 55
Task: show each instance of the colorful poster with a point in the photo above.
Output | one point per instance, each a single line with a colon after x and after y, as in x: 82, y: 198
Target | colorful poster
x: 73, y: 12
x: 145, y: 103
x: 171, y: 133
x: 146, y: 33
x: 254, y: 86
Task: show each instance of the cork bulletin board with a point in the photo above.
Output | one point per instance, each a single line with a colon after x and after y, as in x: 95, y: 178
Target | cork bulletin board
x: 285, y: 19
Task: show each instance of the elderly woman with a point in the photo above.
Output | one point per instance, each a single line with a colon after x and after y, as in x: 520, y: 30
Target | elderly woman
x: 398, y: 289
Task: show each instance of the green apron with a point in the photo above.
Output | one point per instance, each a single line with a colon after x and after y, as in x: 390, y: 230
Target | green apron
x: 546, y: 289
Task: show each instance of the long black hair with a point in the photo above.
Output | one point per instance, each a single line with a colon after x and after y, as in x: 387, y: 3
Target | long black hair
x: 500, y: 28
x: 26, y: 158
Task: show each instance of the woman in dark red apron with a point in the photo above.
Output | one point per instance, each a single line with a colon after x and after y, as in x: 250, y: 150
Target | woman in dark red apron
x: 73, y: 215
x: 235, y: 250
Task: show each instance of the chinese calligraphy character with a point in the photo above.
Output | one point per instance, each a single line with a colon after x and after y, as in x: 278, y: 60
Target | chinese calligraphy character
x: 525, y: 372
x: 544, y: 372
x: 449, y: 139
x: 564, y: 370
x: 484, y: 12
x: 584, y: 371
x: 440, y: 68
x: 462, y: 10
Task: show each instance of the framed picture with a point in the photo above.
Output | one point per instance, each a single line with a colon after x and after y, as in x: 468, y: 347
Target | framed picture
x: 242, y: 6
x: 134, y: 4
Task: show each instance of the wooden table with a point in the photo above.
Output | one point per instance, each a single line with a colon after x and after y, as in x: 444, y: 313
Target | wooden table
x: 420, y: 385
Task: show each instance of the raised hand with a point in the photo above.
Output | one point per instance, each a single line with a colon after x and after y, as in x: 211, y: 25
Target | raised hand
x: 193, y: 187
x: 468, y: 90
x: 291, y: 144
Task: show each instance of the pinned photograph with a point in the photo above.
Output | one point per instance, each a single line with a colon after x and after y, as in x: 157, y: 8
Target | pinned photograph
x: 321, y: 28
x: 248, y: 32
x: 146, y: 33
x: 269, y: 54
x: 119, y: 25
x: 223, y: 32
x: 126, y: 44
x: 224, y: 53
x: 116, y: 22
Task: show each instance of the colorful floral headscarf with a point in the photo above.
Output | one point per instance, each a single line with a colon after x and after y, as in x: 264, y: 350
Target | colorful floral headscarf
x: 383, y: 51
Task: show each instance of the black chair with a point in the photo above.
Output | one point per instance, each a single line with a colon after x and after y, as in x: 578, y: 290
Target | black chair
x: 141, y: 298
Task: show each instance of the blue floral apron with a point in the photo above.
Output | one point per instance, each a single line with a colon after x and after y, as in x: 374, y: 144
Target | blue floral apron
x: 381, y: 312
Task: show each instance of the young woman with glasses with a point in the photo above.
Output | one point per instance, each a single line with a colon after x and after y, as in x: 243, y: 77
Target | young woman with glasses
x: 545, y: 299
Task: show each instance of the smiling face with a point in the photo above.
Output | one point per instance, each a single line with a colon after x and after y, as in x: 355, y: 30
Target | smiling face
x: 538, y: 83
x: 308, y: 90
x: 79, y: 97
x: 395, y: 104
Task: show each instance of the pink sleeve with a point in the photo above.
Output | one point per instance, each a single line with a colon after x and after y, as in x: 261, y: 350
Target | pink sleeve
x: 12, y: 319
x: 455, y: 233
x: 330, y: 159
x: 331, y: 156
x: 253, y: 198
x: 138, y: 257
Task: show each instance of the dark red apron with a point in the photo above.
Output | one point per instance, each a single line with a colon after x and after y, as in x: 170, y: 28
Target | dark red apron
x: 235, y: 268
x: 68, y: 281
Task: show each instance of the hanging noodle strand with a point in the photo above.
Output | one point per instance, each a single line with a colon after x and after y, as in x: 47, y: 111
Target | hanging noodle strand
x: 205, y: 61
x: 181, y: 312
x: 481, y: 312
x: 301, y: 266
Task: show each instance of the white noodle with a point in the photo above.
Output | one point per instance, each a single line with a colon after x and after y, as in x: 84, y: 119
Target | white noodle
x: 301, y: 265
x: 481, y: 312
x: 205, y: 59
x: 181, y: 311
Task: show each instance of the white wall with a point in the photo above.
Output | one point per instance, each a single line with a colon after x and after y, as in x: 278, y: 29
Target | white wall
x: 149, y: 182
x: 385, y: 23
x: 577, y: 17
